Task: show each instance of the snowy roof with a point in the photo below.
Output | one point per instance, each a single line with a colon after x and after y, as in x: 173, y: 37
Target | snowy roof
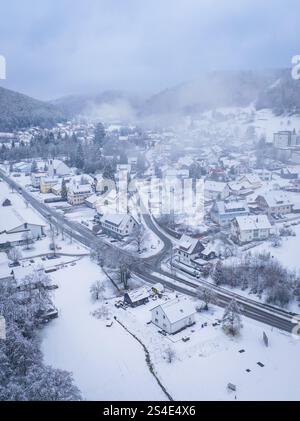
x: 117, y: 219
x: 158, y: 287
x: 79, y: 189
x: 251, y: 178
x: 231, y: 207
x: 209, y: 248
x: 11, y: 238
x: 93, y: 199
x: 49, y: 180
x: 10, y: 218
x: 253, y: 222
x: 138, y: 294
x: 188, y: 244
x: 274, y: 199
x: 56, y: 163
x: 240, y: 186
x: 215, y: 186
x: 176, y: 310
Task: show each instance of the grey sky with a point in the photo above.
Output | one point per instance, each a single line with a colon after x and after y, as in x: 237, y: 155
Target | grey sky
x: 60, y: 47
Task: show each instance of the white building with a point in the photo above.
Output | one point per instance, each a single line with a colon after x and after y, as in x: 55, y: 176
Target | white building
x: 118, y: 225
x: 36, y: 179
x: 92, y: 201
x: 275, y: 203
x: 251, y: 181
x: 222, y: 213
x: 58, y: 168
x: 77, y: 193
x: 12, y: 222
x: 245, y: 229
x: 188, y: 249
x: 174, y: 316
x: 216, y: 190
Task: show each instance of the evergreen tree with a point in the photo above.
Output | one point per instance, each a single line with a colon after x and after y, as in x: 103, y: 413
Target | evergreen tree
x: 79, y: 158
x: 99, y: 134
x: 64, y: 190
x: 141, y: 164
x: 231, y: 322
x: 34, y: 167
x: 217, y: 274
x: 109, y: 173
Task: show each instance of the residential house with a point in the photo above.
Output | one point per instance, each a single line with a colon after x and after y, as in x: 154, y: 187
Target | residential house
x: 240, y: 189
x: 174, y: 316
x: 47, y: 183
x: 216, y: 190
x: 22, y: 167
x: 264, y: 175
x: 93, y: 201
x: 188, y: 249
x: 57, y: 168
x: 274, y: 203
x: 289, y: 174
x: 99, y: 183
x: 245, y: 229
x: 12, y: 222
x: 78, y: 193
x: 57, y: 188
x: 209, y: 252
x: 251, y: 181
x: 137, y: 297
x: 223, y: 212
x: 118, y: 225
x: 36, y: 179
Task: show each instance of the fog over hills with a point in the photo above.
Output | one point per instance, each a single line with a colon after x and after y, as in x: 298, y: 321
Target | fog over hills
x: 273, y: 89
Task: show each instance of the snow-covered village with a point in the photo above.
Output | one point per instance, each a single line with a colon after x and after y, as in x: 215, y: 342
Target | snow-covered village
x: 149, y: 249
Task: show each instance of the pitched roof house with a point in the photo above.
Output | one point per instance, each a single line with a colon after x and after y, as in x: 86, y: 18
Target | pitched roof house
x: 174, y: 316
x: 222, y: 213
x: 188, y: 249
x: 275, y: 203
x: 245, y: 229
x: 118, y: 225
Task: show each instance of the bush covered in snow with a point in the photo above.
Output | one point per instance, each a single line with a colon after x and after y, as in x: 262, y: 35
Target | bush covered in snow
x: 260, y: 273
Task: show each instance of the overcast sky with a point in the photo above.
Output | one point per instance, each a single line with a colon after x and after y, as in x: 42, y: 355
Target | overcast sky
x: 60, y: 47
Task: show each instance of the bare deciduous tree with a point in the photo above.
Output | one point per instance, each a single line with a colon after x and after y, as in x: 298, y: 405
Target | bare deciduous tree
x: 170, y: 354
x: 14, y: 255
x: 97, y: 290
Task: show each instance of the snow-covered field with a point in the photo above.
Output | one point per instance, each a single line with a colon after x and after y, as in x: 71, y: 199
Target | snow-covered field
x: 109, y: 364
x: 288, y: 253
